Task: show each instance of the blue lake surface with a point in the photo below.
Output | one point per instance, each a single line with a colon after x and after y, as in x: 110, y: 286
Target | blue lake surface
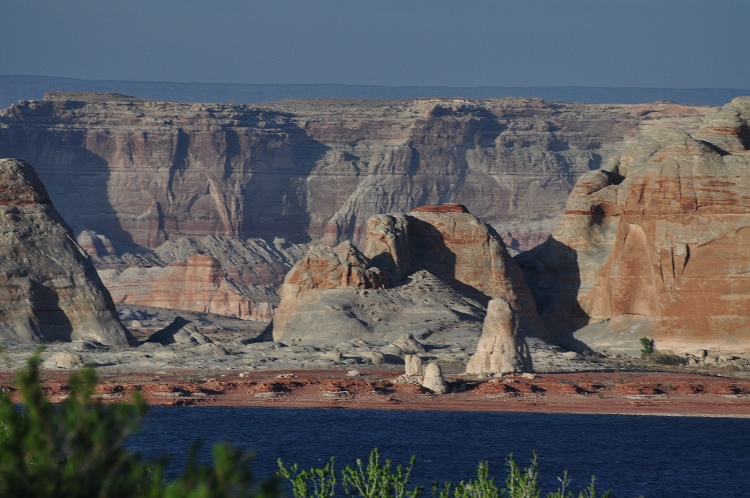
x: 630, y: 455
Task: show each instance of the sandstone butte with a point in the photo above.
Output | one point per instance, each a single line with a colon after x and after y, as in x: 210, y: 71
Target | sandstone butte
x: 656, y: 245
x: 49, y: 289
x: 650, y: 243
x: 446, y: 242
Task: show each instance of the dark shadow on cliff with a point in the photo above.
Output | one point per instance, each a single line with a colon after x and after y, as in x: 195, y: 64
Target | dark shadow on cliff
x: 275, y: 198
x: 553, y: 277
x: 429, y: 252
x: 51, y: 322
x: 75, y: 178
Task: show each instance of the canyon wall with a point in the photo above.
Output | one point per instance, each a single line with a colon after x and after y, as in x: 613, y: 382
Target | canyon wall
x: 144, y: 172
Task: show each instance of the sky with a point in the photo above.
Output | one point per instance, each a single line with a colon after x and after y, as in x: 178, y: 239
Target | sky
x: 466, y: 43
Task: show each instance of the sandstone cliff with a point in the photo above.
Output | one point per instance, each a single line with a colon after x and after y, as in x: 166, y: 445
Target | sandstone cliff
x: 218, y: 275
x: 49, y: 289
x: 657, y: 245
x: 429, y: 273
x: 197, y: 284
x: 143, y: 172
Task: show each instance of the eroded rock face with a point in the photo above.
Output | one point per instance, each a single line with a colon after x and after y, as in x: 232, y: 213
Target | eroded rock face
x: 433, y: 378
x: 665, y: 245
x: 49, y: 290
x: 343, y: 266
x: 452, y: 264
x: 457, y: 247
x: 198, y: 284
x: 312, y: 169
x: 232, y: 277
x: 331, y: 268
x: 387, y: 245
x: 501, y: 348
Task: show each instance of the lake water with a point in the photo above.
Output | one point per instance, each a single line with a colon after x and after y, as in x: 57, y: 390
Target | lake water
x: 631, y: 455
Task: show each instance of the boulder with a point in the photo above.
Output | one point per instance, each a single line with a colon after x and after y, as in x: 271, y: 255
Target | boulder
x: 65, y: 360
x: 49, y: 289
x: 413, y: 364
x: 407, y: 344
x: 180, y: 332
x: 501, y: 348
x: 433, y: 379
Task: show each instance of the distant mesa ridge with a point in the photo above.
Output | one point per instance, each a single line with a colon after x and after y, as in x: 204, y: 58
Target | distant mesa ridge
x: 14, y: 88
x: 89, y: 96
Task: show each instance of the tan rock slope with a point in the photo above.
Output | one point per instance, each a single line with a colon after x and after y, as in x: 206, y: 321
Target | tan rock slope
x: 657, y: 245
x: 49, y: 289
x: 429, y: 273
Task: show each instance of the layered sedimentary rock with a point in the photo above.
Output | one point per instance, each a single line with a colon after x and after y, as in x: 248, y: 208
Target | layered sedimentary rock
x: 212, y: 275
x: 659, y: 242
x: 143, y: 172
x: 436, y: 267
x: 49, y: 289
x: 197, y: 284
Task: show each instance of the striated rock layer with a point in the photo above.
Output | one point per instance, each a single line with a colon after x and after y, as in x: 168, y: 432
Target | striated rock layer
x: 437, y: 267
x: 197, y: 284
x: 212, y: 275
x: 49, y: 289
x: 656, y: 246
x: 142, y: 172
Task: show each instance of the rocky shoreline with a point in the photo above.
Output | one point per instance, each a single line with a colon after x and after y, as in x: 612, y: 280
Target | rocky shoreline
x: 614, y: 393
x: 234, y: 370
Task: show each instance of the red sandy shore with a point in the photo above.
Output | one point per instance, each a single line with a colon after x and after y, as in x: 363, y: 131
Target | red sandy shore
x: 647, y: 393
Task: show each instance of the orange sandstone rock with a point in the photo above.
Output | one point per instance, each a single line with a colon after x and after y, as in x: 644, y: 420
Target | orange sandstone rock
x: 449, y: 243
x: 199, y: 284
x: 667, y: 248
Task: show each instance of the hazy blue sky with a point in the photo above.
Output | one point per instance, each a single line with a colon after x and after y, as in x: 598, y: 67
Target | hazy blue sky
x: 651, y: 43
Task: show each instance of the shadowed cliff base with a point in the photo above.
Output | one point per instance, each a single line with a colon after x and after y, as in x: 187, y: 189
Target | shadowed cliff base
x: 553, y: 277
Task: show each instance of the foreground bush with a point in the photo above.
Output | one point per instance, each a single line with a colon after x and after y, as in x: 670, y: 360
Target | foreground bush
x: 75, y: 449
x: 378, y: 479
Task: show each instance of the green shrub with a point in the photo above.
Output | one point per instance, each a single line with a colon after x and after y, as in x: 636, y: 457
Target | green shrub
x: 379, y: 480
x: 76, y: 450
x: 647, y: 347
